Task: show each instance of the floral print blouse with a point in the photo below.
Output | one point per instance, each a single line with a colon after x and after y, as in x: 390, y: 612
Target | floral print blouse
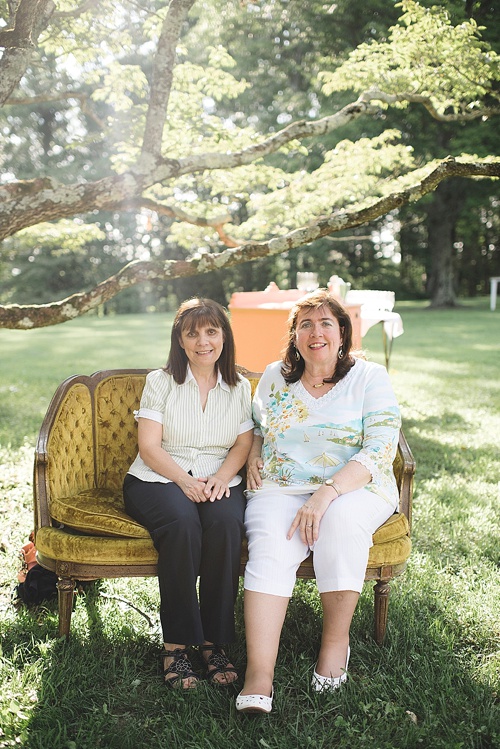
x: 307, y: 440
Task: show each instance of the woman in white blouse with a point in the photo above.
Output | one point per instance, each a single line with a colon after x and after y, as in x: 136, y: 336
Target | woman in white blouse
x: 320, y: 478
x: 195, y: 433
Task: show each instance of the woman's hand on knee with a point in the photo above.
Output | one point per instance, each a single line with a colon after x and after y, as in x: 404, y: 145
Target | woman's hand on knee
x: 308, y: 518
x: 215, y: 488
x: 193, y: 489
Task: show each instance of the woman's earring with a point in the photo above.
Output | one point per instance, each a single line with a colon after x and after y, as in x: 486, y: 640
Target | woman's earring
x: 297, y: 355
x: 340, y: 352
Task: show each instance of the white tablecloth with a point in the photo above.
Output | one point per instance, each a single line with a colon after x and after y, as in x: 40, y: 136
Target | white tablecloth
x: 393, y: 324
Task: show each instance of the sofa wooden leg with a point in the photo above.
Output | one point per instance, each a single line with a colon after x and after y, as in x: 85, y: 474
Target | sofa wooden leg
x: 65, y: 591
x: 381, y: 590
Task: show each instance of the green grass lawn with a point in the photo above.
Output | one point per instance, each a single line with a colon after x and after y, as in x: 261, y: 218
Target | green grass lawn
x: 436, y: 681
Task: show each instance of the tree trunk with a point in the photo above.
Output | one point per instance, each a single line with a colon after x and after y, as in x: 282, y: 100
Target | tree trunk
x: 442, y: 216
x: 31, y: 17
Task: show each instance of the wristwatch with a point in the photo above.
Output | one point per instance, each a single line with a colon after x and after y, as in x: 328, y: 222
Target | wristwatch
x: 332, y: 483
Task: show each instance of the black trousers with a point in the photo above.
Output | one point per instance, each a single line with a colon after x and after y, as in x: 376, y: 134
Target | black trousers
x: 193, y: 540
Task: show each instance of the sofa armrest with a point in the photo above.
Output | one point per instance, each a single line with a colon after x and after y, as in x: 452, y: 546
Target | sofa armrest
x: 405, y: 479
x: 64, y: 455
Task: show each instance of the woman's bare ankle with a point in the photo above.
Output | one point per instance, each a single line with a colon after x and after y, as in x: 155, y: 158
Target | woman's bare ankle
x: 332, y: 661
x: 258, y: 682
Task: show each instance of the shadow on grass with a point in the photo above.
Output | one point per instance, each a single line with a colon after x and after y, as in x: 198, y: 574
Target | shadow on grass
x: 458, y: 514
x: 442, y: 458
x: 103, y: 687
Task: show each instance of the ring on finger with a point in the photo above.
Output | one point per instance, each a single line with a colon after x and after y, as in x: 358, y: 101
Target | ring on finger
x: 309, y: 525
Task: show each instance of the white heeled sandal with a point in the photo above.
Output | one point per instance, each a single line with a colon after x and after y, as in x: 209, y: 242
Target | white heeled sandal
x: 254, y: 703
x: 330, y: 683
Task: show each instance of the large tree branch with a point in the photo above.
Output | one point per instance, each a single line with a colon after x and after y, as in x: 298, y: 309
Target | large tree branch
x: 19, y: 35
x: 216, y: 223
x: 165, y: 210
x: 33, y: 201
x: 52, y: 203
x: 162, y: 76
x: 465, y: 115
x: 36, y: 316
x: 295, y: 131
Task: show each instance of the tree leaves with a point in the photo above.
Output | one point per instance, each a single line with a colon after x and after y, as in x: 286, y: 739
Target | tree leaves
x: 425, y: 57
x: 164, y: 131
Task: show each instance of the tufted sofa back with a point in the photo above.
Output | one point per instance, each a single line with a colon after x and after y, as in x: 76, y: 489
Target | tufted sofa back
x: 69, y: 443
x: 88, y: 438
x: 115, y: 400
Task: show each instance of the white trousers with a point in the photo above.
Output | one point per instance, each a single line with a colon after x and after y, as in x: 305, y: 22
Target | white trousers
x: 340, y: 553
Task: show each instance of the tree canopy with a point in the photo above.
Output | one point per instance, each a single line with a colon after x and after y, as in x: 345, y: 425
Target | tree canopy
x: 137, y: 109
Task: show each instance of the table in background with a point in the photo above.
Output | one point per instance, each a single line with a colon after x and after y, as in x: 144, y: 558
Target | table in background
x: 259, y: 321
x: 376, y: 307
x: 392, y: 327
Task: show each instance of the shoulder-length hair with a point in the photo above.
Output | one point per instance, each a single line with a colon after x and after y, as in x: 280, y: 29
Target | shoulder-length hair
x: 293, y: 363
x: 192, y: 314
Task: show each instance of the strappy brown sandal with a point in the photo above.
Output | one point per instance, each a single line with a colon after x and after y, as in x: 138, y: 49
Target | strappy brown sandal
x: 179, y: 669
x: 217, y: 663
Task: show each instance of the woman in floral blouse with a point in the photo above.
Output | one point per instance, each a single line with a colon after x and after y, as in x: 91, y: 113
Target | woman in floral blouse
x: 320, y: 479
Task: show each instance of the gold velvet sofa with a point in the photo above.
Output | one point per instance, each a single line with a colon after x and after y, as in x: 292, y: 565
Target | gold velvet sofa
x: 86, y: 444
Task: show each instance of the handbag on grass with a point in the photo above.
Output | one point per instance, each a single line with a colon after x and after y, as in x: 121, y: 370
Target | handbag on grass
x: 36, y: 584
x: 27, y: 555
x: 39, y: 585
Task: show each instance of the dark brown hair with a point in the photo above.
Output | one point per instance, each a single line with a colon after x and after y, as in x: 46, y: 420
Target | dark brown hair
x: 192, y: 314
x: 292, y: 369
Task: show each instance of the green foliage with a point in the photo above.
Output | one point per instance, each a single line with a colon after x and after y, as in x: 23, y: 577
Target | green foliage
x: 319, y: 40
x: 50, y: 260
x: 245, y: 70
x: 352, y: 173
x: 67, y: 236
x: 424, y: 55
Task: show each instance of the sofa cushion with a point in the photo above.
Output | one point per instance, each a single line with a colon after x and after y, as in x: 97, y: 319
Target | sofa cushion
x: 97, y: 512
x: 392, y: 553
x: 73, y: 547
x: 100, y: 512
x: 393, y: 528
